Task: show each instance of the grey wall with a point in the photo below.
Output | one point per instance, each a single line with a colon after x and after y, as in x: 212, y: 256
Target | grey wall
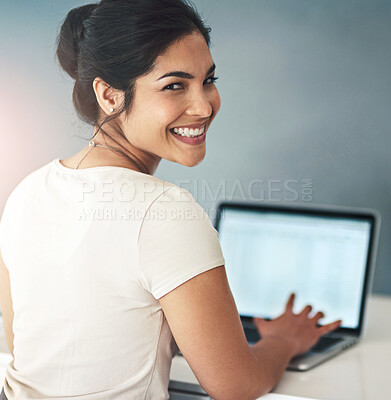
x: 306, y: 94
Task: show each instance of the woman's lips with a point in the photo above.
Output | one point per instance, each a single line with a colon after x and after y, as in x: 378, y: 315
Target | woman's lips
x: 190, y: 140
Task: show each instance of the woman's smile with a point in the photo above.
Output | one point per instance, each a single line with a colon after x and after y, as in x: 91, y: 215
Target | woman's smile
x: 193, y: 136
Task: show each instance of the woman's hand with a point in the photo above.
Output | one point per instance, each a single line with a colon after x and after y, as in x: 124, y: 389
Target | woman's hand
x: 298, y: 329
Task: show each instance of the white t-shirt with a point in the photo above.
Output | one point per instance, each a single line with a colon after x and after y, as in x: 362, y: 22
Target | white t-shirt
x: 89, y: 252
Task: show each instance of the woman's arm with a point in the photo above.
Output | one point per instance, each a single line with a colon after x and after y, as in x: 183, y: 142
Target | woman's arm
x: 6, y: 305
x: 206, y: 326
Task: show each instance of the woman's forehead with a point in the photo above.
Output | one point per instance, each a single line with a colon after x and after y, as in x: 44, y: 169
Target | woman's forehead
x: 190, y: 54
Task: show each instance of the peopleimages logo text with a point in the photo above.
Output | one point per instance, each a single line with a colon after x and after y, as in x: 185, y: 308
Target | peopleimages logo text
x: 271, y: 190
x: 125, y: 200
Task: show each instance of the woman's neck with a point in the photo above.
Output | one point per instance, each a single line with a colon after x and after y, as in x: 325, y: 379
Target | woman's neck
x: 125, y: 154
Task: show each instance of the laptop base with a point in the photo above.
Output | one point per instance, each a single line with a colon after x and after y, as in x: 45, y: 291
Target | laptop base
x: 311, y: 359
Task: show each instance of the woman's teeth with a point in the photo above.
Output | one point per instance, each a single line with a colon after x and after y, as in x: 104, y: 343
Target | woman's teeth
x: 189, y: 132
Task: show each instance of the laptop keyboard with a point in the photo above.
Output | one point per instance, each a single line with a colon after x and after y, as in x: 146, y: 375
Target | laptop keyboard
x: 252, y: 335
x: 324, y: 343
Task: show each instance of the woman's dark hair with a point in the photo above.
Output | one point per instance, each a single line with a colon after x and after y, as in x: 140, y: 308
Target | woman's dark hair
x: 119, y: 41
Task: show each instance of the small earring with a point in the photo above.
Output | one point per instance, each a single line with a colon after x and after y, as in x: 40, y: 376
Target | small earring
x: 111, y: 109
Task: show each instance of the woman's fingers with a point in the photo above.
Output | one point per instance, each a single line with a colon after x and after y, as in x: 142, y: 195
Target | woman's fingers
x: 306, y: 310
x: 289, y: 304
x: 319, y: 315
x: 330, y: 327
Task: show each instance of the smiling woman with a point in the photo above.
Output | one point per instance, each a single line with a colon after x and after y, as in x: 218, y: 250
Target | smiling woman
x: 83, y: 318
x: 111, y: 280
x: 146, y: 88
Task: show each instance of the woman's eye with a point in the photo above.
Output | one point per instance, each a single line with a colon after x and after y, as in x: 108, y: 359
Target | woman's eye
x: 210, y: 80
x: 179, y: 86
x: 174, y: 86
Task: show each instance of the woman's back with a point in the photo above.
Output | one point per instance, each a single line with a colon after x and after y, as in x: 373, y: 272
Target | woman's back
x: 86, y: 323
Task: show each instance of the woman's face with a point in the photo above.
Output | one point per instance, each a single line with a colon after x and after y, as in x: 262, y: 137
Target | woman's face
x: 177, y: 97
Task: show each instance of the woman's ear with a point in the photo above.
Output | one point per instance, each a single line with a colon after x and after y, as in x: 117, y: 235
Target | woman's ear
x: 108, y: 98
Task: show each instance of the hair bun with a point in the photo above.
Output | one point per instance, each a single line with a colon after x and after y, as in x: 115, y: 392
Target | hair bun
x: 69, y: 37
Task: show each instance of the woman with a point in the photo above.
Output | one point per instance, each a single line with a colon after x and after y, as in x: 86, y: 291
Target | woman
x: 114, y: 264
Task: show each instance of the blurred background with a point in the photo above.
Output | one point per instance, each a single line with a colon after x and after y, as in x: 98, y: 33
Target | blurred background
x: 305, y: 117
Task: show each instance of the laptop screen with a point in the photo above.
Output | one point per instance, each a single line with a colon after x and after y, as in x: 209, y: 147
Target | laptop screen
x: 269, y: 254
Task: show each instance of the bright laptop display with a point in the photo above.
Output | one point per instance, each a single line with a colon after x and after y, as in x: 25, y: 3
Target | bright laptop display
x: 321, y: 256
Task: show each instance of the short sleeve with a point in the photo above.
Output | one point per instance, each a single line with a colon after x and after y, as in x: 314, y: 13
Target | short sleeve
x: 177, y: 241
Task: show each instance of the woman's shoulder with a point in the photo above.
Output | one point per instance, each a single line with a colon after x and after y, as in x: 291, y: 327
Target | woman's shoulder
x: 24, y: 184
x: 173, y: 195
x: 176, y: 205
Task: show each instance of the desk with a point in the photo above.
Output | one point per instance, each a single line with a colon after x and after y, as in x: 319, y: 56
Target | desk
x: 363, y: 372
x: 359, y: 373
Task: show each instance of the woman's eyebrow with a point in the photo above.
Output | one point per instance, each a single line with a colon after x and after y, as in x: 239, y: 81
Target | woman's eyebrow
x: 185, y: 75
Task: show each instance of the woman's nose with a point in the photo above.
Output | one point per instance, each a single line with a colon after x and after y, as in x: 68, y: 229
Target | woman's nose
x: 199, y: 105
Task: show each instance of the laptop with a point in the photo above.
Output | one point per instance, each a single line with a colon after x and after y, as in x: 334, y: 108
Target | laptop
x: 324, y: 254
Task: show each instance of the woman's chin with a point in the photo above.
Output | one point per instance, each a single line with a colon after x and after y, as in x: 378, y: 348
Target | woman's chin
x: 192, y: 162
